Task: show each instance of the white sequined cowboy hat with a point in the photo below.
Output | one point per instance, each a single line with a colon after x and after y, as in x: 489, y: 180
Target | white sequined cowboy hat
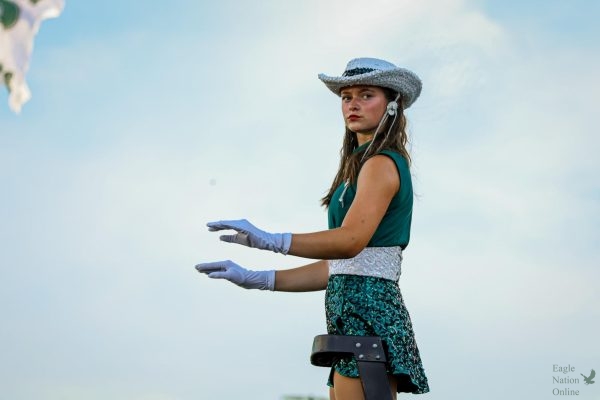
x: 376, y: 72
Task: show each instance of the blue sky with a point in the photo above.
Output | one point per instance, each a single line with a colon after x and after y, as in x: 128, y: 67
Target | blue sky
x: 148, y: 122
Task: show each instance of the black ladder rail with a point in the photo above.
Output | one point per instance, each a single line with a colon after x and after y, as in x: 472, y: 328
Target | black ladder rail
x: 370, y: 357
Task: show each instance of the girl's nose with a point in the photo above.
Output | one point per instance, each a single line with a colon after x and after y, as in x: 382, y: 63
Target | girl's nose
x: 353, y: 105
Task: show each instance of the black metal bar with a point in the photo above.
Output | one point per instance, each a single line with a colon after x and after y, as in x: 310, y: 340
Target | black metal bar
x: 369, y: 354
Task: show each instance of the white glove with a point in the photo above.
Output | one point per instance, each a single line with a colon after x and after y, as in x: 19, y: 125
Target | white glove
x: 251, y: 236
x: 263, y: 280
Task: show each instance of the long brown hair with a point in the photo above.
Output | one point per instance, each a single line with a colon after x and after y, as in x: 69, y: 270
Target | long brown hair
x: 350, y: 163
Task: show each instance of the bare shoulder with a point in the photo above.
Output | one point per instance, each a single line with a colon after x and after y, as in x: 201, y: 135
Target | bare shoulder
x: 380, y: 171
x: 381, y: 161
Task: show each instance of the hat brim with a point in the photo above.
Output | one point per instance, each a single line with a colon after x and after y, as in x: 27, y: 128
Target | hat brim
x: 401, y: 80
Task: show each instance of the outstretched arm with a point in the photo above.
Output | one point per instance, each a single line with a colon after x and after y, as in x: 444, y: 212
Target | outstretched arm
x: 378, y: 182
x: 308, y: 278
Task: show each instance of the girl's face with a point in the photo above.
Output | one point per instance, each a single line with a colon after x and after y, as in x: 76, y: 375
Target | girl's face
x: 363, y: 108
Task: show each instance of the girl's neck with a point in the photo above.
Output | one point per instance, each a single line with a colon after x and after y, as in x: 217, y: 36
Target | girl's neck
x: 363, y: 138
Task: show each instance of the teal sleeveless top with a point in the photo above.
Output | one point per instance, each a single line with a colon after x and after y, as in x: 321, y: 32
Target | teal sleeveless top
x: 394, y: 229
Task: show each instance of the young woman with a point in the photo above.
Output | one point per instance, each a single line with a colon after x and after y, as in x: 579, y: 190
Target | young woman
x: 370, y: 209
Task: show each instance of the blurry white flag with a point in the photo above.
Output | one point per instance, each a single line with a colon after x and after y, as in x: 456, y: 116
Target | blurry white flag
x: 19, y: 22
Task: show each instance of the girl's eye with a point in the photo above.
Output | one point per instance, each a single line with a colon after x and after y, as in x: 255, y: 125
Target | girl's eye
x: 367, y: 96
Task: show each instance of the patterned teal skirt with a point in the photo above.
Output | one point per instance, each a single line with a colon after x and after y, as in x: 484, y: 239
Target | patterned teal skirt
x: 369, y: 306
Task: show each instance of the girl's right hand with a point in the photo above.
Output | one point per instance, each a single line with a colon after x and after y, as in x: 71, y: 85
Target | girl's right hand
x: 249, y: 235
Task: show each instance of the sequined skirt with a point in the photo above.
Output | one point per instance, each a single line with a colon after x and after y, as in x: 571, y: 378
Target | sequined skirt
x: 371, y: 306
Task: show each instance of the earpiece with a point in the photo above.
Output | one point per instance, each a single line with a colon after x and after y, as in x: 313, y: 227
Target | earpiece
x: 392, y: 108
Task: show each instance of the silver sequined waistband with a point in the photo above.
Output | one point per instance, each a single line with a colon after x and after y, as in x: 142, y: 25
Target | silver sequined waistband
x: 380, y: 262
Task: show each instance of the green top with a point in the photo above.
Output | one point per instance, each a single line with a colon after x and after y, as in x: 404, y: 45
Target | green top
x: 394, y: 229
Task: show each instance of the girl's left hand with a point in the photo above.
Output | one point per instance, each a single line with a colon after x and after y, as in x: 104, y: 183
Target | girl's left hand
x: 249, y: 235
x: 263, y: 280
